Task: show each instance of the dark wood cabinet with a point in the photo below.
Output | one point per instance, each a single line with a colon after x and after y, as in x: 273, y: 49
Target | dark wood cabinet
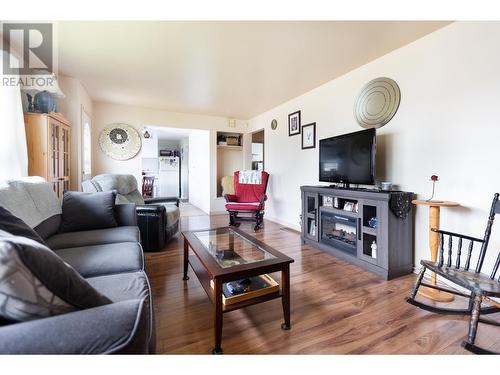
x: 358, y: 226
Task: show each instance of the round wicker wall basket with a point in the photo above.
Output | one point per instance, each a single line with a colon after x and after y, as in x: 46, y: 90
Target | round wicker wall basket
x: 377, y: 103
x: 120, y: 141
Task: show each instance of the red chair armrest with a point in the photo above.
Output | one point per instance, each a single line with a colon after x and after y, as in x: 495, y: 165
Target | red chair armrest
x: 230, y: 198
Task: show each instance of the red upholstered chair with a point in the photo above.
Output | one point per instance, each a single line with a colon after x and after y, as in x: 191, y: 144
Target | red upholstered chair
x: 248, y: 199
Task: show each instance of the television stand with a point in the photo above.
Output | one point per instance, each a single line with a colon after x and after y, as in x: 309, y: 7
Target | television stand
x: 358, y: 226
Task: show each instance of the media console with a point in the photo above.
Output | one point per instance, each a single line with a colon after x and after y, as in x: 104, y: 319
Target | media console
x: 359, y: 226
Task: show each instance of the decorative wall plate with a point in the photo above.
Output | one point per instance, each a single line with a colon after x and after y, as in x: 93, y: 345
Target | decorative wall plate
x: 274, y: 124
x: 120, y: 141
x: 377, y: 103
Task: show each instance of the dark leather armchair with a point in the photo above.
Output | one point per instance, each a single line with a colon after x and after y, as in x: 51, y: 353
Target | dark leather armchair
x: 157, y: 218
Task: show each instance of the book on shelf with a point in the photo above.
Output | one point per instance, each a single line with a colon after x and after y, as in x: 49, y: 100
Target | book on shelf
x: 242, y: 290
x: 327, y: 201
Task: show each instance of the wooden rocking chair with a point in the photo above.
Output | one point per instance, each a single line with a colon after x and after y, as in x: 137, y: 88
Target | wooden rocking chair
x: 481, y: 286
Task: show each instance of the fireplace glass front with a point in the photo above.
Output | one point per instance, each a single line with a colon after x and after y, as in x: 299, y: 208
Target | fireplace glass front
x: 339, y: 231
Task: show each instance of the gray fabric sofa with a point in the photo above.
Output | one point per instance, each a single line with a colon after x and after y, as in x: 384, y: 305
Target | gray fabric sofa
x: 158, y: 217
x: 111, y: 260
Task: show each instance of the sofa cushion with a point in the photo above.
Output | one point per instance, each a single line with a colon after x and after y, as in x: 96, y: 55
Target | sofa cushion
x: 128, y: 286
x: 49, y: 226
x: 36, y: 283
x: 250, y: 206
x: 14, y: 225
x: 123, y: 286
x: 94, y: 237
x: 104, y: 259
x: 250, y: 192
x: 87, y: 211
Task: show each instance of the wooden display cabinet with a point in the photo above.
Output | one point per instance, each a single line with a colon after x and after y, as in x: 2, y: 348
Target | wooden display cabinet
x: 48, y: 138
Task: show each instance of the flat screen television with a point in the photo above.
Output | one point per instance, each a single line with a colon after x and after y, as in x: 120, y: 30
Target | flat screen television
x: 348, y: 158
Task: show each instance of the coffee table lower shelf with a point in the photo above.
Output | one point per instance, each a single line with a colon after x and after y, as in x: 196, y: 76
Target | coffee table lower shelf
x: 204, y: 280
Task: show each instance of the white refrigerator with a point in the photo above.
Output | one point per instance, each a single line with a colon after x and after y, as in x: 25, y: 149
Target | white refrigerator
x: 169, y: 176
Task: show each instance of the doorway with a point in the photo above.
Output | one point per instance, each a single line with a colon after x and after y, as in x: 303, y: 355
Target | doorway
x: 164, y: 157
x: 258, y: 150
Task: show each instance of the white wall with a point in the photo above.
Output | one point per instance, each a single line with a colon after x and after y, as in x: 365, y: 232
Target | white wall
x: 447, y: 124
x: 149, y: 147
x: 168, y: 144
x: 76, y: 98
x: 13, y: 150
x: 184, y: 148
x: 199, y: 169
x: 105, y: 113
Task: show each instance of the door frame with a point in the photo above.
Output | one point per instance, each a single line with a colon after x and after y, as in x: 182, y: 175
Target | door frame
x: 263, y: 147
x: 81, y: 174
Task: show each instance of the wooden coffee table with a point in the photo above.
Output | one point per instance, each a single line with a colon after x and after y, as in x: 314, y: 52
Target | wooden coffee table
x: 228, y: 254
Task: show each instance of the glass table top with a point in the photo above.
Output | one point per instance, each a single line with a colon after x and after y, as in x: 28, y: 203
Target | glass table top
x: 230, y: 249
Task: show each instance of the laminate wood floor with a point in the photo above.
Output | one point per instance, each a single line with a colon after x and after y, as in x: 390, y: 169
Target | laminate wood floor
x: 336, y: 308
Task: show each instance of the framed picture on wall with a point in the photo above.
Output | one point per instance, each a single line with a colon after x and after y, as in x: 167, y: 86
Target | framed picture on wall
x: 309, y: 136
x: 294, y: 123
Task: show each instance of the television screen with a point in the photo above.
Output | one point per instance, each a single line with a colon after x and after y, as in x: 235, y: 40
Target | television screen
x: 348, y: 158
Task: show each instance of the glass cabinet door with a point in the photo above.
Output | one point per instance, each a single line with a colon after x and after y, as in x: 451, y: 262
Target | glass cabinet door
x: 54, y: 146
x: 59, y: 146
x: 64, y: 172
x: 370, y: 246
x: 310, y: 216
x: 65, y: 161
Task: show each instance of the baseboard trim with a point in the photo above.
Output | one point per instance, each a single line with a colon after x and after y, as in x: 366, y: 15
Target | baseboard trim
x: 288, y: 229
x: 294, y: 227
x: 290, y: 226
x: 218, y: 213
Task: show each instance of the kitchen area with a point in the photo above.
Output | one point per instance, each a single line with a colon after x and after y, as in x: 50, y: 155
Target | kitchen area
x: 165, y: 158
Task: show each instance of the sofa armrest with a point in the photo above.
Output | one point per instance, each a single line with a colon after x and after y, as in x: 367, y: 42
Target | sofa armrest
x: 174, y: 200
x: 151, y: 209
x: 230, y: 197
x: 121, y: 327
x: 125, y: 214
x: 152, y: 222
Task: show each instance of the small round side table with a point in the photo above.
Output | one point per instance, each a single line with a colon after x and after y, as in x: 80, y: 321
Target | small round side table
x: 434, y: 214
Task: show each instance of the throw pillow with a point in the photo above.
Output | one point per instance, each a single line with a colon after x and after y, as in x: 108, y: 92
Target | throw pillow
x: 14, y: 225
x: 36, y: 283
x: 87, y: 211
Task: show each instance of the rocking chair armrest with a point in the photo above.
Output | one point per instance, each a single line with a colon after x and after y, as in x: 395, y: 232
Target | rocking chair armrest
x: 263, y: 198
x: 447, y: 233
x: 230, y: 197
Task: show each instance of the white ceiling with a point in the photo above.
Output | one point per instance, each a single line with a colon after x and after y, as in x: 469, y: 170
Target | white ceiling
x: 232, y: 69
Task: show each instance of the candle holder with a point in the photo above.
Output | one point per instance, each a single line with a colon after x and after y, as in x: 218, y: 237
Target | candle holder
x: 434, y: 178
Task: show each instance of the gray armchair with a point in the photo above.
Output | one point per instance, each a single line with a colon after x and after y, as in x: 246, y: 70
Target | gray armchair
x: 157, y: 218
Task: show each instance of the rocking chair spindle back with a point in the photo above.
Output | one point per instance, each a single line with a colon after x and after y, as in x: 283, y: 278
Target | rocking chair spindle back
x: 481, y: 287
